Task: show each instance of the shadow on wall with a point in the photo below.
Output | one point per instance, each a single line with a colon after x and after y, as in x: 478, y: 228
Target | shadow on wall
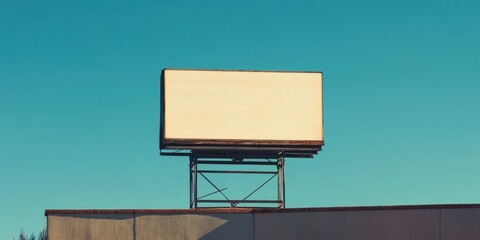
x: 237, y: 226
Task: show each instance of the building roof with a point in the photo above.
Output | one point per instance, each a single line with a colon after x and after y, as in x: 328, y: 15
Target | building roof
x: 254, y: 210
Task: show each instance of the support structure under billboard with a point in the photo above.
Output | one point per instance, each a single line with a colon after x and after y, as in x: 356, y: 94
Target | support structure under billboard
x: 198, y: 159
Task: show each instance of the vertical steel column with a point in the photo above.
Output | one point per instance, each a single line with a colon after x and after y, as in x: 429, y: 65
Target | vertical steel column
x: 281, y: 180
x: 279, y: 196
x: 190, y: 173
x: 195, y: 181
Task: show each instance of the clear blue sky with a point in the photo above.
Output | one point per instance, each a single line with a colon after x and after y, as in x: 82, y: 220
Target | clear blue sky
x: 79, y: 98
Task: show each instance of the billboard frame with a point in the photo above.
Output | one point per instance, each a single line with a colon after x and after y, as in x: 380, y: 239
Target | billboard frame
x: 286, y: 146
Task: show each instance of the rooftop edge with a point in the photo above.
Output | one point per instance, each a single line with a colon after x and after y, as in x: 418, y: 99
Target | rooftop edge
x: 254, y: 210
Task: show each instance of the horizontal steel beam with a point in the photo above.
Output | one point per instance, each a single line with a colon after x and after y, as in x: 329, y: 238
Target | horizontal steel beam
x: 249, y: 148
x: 236, y: 162
x: 240, y: 154
x: 239, y: 207
x: 240, y: 201
x: 183, y: 154
x: 227, y: 171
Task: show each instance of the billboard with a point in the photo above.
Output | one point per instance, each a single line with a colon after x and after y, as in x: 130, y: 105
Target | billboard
x: 226, y: 109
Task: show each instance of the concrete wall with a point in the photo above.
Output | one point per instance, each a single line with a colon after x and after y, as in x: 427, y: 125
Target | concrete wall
x: 150, y: 226
x: 406, y: 223
x: 91, y: 226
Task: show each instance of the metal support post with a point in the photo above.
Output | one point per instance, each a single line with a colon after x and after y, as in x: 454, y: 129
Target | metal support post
x: 279, y: 194
x: 190, y: 173
x: 195, y: 183
x: 281, y: 181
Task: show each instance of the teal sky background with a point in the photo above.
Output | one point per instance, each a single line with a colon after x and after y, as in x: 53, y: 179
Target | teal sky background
x: 79, y: 99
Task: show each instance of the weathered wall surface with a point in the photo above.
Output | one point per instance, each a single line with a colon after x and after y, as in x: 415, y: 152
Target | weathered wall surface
x: 91, y: 226
x: 460, y: 224
x: 361, y: 225
x: 424, y: 223
x: 150, y: 226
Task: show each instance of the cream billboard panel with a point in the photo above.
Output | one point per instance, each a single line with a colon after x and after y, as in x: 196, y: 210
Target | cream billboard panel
x: 243, y: 105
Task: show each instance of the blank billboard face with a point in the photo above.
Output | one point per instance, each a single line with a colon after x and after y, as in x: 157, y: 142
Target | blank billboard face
x: 242, y: 107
